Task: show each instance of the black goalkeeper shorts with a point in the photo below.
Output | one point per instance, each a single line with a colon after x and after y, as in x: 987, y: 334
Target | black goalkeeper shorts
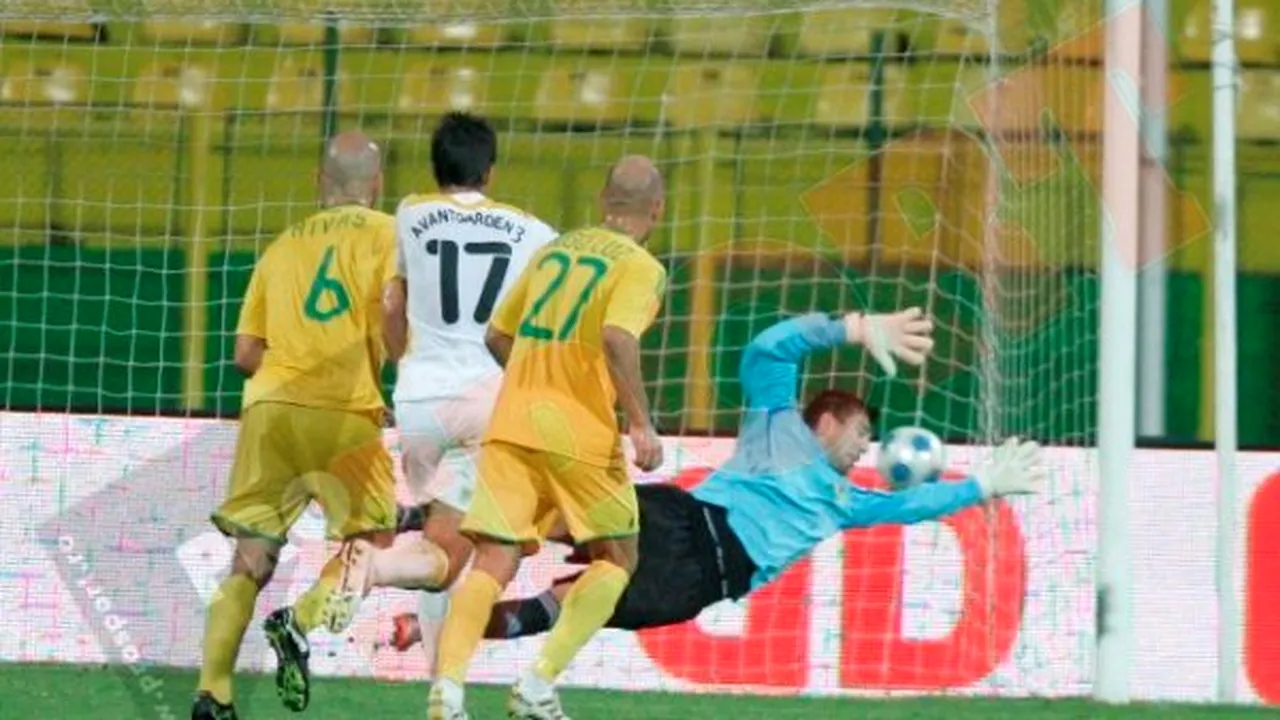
x: 689, y: 559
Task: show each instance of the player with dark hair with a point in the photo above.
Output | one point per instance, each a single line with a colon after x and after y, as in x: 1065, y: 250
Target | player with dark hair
x: 457, y: 253
x: 464, y: 149
x: 784, y: 490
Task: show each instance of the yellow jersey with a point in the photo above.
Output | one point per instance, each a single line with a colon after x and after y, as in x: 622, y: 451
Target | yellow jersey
x: 315, y: 297
x: 557, y: 394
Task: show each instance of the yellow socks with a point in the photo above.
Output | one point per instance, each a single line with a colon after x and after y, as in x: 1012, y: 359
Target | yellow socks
x: 308, y: 612
x: 228, y: 617
x: 469, y: 611
x: 587, y: 607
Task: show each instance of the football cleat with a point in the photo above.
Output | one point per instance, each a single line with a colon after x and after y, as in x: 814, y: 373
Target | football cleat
x: 206, y: 708
x: 293, y: 677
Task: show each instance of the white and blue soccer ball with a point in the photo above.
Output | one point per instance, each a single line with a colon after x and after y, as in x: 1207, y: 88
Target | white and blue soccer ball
x: 910, y: 456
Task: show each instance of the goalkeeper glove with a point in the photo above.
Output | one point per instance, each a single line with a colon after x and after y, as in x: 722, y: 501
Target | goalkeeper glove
x: 1016, y: 468
x: 905, y: 334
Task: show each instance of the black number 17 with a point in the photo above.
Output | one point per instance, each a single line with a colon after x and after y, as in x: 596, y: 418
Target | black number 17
x: 499, y: 255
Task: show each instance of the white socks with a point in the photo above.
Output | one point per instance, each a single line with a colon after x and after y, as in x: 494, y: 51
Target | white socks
x: 533, y: 686
x: 432, y: 609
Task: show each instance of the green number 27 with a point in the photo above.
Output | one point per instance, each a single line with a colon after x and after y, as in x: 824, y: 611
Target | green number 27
x: 322, y: 286
x: 529, y: 328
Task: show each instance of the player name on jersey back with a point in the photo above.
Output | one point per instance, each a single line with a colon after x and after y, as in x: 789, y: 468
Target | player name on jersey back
x: 459, y: 254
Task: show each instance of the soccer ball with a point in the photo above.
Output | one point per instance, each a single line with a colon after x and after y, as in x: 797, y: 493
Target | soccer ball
x: 910, y: 456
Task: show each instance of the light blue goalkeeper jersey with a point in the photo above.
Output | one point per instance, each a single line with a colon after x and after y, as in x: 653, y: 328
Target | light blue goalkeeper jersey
x: 781, y: 495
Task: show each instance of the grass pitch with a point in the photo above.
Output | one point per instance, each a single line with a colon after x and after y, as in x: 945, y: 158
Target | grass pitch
x: 33, y: 692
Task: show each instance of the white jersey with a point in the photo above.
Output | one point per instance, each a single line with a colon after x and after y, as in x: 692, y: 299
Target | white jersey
x: 459, y: 255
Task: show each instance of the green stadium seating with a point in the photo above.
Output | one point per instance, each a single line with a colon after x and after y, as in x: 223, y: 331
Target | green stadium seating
x: 446, y: 24
x: 706, y: 95
x: 197, y: 32
x: 44, y: 84
x: 580, y: 96
x: 32, y: 102
x: 848, y: 32
x: 43, y: 97
x: 843, y: 99
x: 312, y: 33
x: 50, y: 30
x: 429, y: 90
x: 299, y: 87
x: 629, y: 34
x: 747, y: 36
x: 1257, y: 32
x: 54, y: 30
x: 454, y: 35
x: 950, y: 36
x: 1259, y: 102
x: 175, y: 86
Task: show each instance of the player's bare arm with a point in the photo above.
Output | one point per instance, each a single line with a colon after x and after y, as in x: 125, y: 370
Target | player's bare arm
x: 248, y: 354
x: 499, y: 344
x: 632, y: 203
x: 395, y: 320
x: 622, y: 355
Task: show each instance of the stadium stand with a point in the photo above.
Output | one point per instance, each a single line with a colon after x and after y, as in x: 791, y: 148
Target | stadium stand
x: 615, y: 35
x: 1259, y: 117
x: 786, y: 81
x: 580, y: 97
x: 711, y: 95
x: 433, y: 89
x: 848, y: 32
x: 1257, y: 33
x: 707, y: 36
x: 197, y: 32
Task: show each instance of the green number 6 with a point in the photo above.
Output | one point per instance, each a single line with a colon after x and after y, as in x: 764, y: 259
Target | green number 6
x: 598, y: 267
x: 324, y: 285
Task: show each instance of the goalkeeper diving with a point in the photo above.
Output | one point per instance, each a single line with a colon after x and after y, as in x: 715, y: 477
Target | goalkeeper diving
x: 784, y: 490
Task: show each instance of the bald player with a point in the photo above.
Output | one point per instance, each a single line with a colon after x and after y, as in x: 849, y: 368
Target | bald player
x: 309, y: 340
x: 568, y: 334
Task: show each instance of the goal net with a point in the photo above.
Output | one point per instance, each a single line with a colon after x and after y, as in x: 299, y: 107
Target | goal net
x: 820, y: 156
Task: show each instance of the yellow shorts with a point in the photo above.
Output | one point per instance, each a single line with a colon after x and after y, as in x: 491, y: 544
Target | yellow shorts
x: 288, y: 455
x: 518, y: 489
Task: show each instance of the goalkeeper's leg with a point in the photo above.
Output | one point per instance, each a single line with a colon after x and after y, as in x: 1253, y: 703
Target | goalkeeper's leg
x: 511, y: 619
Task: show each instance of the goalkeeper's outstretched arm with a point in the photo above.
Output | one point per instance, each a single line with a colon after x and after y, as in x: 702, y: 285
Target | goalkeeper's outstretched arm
x: 1016, y: 468
x: 770, y: 368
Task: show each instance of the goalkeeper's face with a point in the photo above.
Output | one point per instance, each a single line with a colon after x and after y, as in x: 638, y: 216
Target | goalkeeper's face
x: 844, y: 440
